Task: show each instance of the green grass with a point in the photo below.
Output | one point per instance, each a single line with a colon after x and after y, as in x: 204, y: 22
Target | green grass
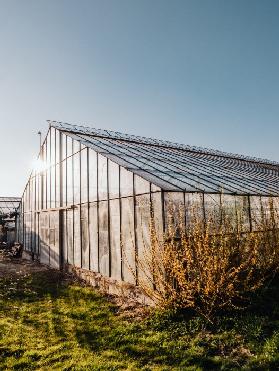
x: 49, y: 323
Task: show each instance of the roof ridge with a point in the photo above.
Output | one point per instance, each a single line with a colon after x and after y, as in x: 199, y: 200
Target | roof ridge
x: 87, y: 130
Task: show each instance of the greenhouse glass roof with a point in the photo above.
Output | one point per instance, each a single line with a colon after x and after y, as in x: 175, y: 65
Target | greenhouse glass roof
x: 179, y: 167
x: 9, y: 204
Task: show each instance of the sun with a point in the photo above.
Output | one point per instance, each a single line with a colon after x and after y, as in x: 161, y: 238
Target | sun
x: 39, y: 165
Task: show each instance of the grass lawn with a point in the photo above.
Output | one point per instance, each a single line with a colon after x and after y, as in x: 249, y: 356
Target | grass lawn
x: 51, y: 323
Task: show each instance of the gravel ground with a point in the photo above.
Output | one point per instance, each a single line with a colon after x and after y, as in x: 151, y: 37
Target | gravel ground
x: 10, y: 266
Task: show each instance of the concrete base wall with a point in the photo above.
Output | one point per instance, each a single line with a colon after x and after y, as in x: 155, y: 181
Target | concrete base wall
x: 110, y: 286
x: 127, y: 291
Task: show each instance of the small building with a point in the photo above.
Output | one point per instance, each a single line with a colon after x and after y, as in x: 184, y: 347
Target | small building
x: 88, y: 203
x: 8, y: 217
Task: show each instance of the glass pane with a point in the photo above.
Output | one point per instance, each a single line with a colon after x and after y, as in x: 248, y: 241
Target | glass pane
x: 126, y: 182
x: 38, y: 192
x: 31, y: 184
x: 84, y: 176
x: 174, y: 209
x: 275, y: 201
x: 228, y: 206
x: 157, y: 208
x: 76, y: 146
x: 54, y: 239
x: 24, y: 232
x: 64, y: 239
x: 57, y: 186
x: 48, y: 189
x: 93, y: 237
x: 242, y: 210
x: 103, y: 238
x: 53, y: 146
x: 34, y: 193
x: 57, y: 159
x: 26, y: 206
x: 30, y: 231
x: 38, y: 234
x: 193, y: 204
x: 64, y: 147
x: 113, y: 180
x: 44, y: 234
x: 259, y: 210
x: 28, y: 197
x: 77, y: 246
x: 141, y: 185
x: 44, y: 180
x: 143, y: 219
x: 34, y: 239
x: 102, y: 178
x: 70, y: 245
x: 53, y: 189
x: 48, y: 150
x: 69, y: 146
x: 92, y: 171
x: 128, y: 239
x: 154, y: 188
x: 84, y: 236
x: 115, y: 239
x: 76, y: 160
x: 70, y: 200
x: 213, y: 209
x: 64, y: 183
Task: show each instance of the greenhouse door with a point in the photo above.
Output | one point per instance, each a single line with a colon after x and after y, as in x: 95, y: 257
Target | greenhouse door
x: 49, y: 238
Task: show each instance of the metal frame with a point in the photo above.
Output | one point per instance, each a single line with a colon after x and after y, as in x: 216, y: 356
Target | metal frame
x: 9, y: 204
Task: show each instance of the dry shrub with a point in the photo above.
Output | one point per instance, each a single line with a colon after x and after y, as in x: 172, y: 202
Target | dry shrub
x: 211, y: 264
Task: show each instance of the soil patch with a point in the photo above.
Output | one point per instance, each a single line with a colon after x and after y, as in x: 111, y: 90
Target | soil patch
x: 10, y: 266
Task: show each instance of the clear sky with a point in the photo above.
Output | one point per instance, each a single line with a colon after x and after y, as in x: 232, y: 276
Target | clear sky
x: 201, y: 72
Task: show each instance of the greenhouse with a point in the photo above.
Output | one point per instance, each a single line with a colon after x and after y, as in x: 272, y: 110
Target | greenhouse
x: 9, y: 205
x: 8, y: 212
x: 88, y: 203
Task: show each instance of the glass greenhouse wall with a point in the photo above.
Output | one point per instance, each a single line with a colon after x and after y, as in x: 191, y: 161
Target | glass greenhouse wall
x: 90, y: 199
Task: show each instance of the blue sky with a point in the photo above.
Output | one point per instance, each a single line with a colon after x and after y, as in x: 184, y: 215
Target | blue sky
x: 201, y: 72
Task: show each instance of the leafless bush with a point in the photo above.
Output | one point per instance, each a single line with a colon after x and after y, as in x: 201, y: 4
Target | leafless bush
x: 210, y: 264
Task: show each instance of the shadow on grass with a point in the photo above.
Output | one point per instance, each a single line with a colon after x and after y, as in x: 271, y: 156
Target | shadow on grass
x: 66, y: 312
x: 247, y: 338
x: 81, y: 315
x: 33, y: 286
